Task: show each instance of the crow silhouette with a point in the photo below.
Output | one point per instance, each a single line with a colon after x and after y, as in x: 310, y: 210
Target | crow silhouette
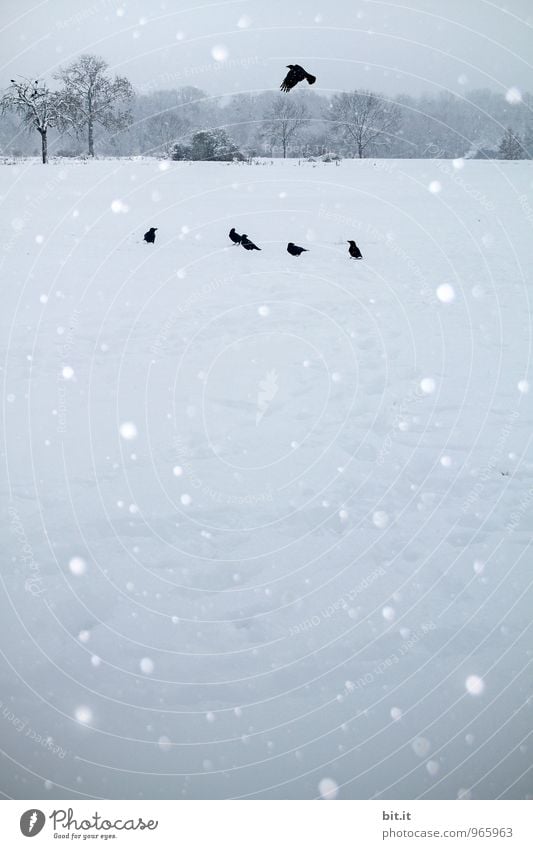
x: 296, y: 75
x: 353, y: 250
x: 294, y: 250
x: 247, y: 244
x: 234, y: 236
x: 150, y: 235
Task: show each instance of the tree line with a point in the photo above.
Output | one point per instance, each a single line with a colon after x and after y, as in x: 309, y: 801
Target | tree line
x: 90, y: 111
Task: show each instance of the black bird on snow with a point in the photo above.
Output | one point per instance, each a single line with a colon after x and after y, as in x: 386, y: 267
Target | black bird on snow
x: 353, y: 250
x: 150, y: 235
x: 296, y: 75
x: 247, y: 244
x: 234, y: 236
x: 294, y: 250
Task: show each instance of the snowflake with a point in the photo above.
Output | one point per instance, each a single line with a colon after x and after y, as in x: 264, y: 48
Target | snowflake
x: 428, y: 385
x: 380, y: 519
x: 513, y: 96
x: 146, y: 665
x: 445, y: 293
x: 77, y: 565
x: 328, y: 788
x: 220, y: 53
x: 474, y: 685
x: 128, y: 430
x: 83, y: 714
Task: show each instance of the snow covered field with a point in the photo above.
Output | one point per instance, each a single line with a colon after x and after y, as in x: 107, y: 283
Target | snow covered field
x: 266, y: 520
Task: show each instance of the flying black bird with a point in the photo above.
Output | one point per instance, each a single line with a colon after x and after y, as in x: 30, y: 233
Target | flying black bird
x: 353, y: 250
x: 150, y: 235
x: 296, y: 75
x: 247, y: 244
x: 235, y: 238
x: 294, y: 249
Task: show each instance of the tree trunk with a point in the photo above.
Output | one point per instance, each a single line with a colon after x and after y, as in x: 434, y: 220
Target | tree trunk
x: 284, y: 149
x: 91, y: 137
x: 44, y: 146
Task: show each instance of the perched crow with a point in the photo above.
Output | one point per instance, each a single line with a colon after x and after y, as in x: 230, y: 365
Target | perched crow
x: 353, y: 250
x: 247, y: 244
x: 150, y: 235
x: 294, y: 249
x: 296, y: 75
x: 235, y: 238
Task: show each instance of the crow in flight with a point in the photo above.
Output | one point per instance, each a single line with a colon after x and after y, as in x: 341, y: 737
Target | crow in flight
x: 353, y: 250
x: 247, y: 244
x: 150, y: 235
x: 296, y: 75
x: 294, y: 250
x: 234, y: 236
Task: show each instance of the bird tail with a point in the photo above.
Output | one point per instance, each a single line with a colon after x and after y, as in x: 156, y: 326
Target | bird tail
x: 310, y: 79
x: 284, y: 87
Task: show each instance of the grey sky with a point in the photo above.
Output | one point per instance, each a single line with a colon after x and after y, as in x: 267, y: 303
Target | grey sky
x: 411, y: 46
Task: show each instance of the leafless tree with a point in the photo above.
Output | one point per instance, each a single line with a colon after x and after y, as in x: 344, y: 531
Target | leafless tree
x: 364, y: 119
x: 37, y: 106
x: 283, y: 121
x: 93, y: 97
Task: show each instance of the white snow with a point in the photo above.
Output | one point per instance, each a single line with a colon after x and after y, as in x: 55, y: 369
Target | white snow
x: 128, y: 430
x: 513, y: 95
x: 146, y: 665
x: 77, y: 565
x: 421, y: 746
x: 328, y: 788
x: 445, y: 293
x: 380, y: 519
x: 83, y: 714
x: 220, y: 52
x: 474, y: 685
x: 428, y: 385
x: 258, y: 597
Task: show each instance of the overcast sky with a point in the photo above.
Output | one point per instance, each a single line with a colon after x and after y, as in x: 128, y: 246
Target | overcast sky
x: 244, y: 45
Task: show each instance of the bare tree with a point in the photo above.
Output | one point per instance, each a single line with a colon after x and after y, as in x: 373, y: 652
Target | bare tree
x: 363, y: 119
x: 93, y: 97
x: 37, y: 106
x: 283, y: 121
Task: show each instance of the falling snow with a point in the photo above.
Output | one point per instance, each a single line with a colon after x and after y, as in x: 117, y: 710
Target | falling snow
x: 328, y: 788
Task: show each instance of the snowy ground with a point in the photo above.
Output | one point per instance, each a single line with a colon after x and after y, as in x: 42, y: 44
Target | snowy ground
x: 266, y: 520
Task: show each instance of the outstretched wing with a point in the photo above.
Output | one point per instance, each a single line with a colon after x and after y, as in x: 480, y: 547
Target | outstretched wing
x: 295, y: 76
